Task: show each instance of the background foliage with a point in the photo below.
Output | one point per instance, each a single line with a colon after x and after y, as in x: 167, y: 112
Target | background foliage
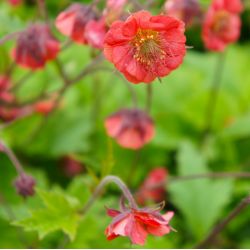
x: 76, y: 129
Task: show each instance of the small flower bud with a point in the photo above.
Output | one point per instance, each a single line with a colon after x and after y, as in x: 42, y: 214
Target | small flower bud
x: 25, y: 185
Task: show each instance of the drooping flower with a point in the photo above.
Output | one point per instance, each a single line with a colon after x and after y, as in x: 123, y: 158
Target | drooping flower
x: 131, y: 128
x: 81, y: 24
x: 153, y: 188
x: 186, y: 10
x: 113, y: 10
x: 222, y: 24
x: 35, y: 46
x: 95, y: 32
x: 138, y: 223
x: 25, y: 185
x: 145, y: 47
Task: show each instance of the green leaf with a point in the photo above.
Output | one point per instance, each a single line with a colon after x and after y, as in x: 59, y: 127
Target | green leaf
x: 201, y: 201
x: 59, y: 213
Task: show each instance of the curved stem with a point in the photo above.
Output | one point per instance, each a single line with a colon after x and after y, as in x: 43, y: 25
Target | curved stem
x: 218, y: 228
x: 12, y: 157
x: 214, y: 92
x: 9, y: 37
x: 106, y: 180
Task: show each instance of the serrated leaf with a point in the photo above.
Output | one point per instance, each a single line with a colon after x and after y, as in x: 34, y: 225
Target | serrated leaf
x: 202, y: 200
x: 60, y: 213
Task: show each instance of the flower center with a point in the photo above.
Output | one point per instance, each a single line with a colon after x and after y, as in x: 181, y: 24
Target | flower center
x: 221, y: 21
x: 147, y: 44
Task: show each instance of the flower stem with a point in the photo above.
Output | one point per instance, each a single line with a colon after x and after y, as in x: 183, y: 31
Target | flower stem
x: 106, y: 180
x: 12, y: 157
x: 214, y: 92
x: 149, y: 97
x: 218, y: 228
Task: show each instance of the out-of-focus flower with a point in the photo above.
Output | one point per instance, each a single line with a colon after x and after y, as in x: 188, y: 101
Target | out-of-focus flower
x: 44, y: 107
x: 71, y: 167
x: 145, y: 47
x: 7, y: 113
x: 113, y: 10
x: 4, y: 83
x: 131, y: 128
x: 80, y: 23
x: 95, y: 32
x: 138, y: 223
x: 15, y: 2
x: 186, y: 10
x: 35, y: 46
x: 222, y: 24
x: 153, y: 188
x: 25, y: 185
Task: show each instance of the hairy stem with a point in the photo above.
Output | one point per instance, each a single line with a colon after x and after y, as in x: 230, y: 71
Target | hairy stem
x: 9, y: 37
x: 149, y: 97
x: 106, y: 180
x: 12, y: 157
x: 218, y: 228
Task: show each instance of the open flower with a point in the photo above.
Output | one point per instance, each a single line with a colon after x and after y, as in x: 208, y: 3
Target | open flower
x: 153, y: 188
x: 137, y: 223
x: 132, y: 128
x: 145, y: 47
x: 186, y: 10
x: 222, y: 24
x: 35, y: 46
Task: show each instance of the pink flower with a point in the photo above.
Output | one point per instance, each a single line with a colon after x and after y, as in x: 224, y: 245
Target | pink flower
x: 113, y: 10
x: 35, y: 46
x: 222, y: 24
x: 137, y: 224
x: 131, y: 128
x: 153, y: 188
x: 186, y: 10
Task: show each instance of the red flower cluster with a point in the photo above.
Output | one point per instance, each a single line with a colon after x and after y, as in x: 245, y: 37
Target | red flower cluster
x: 145, y: 47
x: 35, y: 46
x: 80, y: 23
x: 186, y: 10
x: 137, y: 224
x: 131, y: 128
x: 222, y: 24
x: 153, y: 188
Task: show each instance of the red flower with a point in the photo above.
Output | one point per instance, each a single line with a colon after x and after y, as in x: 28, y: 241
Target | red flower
x: 35, y: 47
x: 137, y: 224
x: 186, y: 10
x: 80, y: 23
x: 131, y: 128
x: 145, y: 47
x: 153, y: 188
x: 25, y: 185
x: 222, y: 24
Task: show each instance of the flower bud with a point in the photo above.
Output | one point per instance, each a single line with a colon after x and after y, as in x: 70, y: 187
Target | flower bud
x: 24, y: 185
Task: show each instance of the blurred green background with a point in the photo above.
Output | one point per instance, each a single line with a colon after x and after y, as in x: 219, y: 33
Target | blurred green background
x: 76, y: 129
